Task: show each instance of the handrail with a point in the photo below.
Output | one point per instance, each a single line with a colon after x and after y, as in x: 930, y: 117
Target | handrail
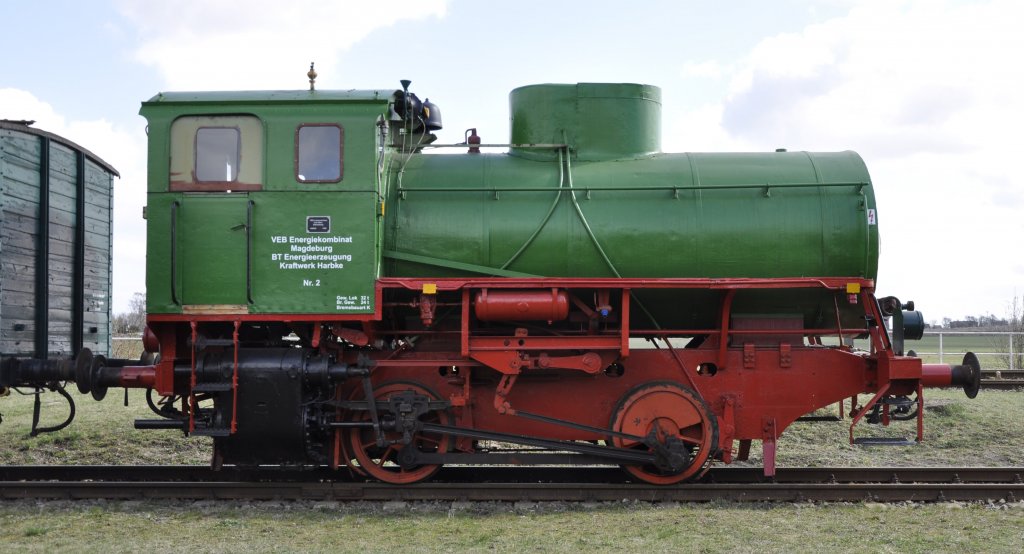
x: 248, y: 251
x: 174, y: 252
x: 525, y: 145
x: 671, y: 188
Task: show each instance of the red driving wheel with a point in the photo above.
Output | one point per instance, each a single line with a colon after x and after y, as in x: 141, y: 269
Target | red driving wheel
x: 669, y: 410
x: 380, y: 462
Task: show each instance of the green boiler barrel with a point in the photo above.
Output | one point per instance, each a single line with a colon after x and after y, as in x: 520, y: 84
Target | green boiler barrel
x: 597, y: 209
x: 785, y: 214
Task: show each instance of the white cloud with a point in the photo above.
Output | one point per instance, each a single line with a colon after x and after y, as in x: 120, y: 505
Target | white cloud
x: 928, y: 93
x: 22, y: 105
x: 121, y: 148
x: 888, y: 74
x: 223, y: 44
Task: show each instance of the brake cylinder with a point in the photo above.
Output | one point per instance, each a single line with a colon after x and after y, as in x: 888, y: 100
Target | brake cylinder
x: 521, y: 305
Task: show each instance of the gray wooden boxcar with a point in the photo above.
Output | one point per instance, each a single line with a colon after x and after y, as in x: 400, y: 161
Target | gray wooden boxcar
x: 55, y: 245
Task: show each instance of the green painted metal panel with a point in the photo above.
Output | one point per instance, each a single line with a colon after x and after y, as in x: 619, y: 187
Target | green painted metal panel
x: 305, y: 253
x: 671, y: 215
x: 314, y: 252
x: 599, y: 121
x: 212, y: 249
x: 162, y: 285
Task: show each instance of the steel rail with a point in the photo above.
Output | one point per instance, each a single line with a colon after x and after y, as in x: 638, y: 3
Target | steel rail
x: 508, y: 474
x: 1004, y: 373
x: 517, y: 484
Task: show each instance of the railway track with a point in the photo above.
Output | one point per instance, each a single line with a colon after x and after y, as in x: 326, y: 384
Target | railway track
x: 1007, y: 381
x: 1003, y: 373
x: 513, y: 484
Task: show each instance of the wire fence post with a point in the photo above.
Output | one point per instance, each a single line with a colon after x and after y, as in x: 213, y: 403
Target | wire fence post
x: 1013, y: 360
x: 1007, y: 355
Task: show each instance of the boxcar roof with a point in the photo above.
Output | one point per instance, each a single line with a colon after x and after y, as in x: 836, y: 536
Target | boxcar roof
x: 270, y: 96
x: 24, y: 127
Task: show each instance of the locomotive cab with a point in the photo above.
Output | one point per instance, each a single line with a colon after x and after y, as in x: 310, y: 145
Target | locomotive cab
x: 263, y: 202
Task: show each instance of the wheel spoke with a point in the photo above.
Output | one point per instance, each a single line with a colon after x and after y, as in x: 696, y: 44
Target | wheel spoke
x: 365, y: 443
x: 688, y: 440
x: 428, y: 439
x: 384, y: 457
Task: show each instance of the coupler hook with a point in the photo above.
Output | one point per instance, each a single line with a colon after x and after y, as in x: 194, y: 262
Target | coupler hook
x: 37, y: 405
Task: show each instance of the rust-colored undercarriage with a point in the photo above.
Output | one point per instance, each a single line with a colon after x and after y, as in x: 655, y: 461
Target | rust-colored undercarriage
x: 524, y: 371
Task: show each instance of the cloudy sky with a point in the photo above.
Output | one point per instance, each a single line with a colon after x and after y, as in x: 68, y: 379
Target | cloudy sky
x: 927, y: 92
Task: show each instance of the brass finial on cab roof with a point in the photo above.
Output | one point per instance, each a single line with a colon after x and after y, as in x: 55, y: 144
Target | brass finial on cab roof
x: 312, y: 76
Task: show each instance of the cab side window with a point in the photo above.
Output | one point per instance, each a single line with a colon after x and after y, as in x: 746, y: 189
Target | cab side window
x: 216, y: 153
x: 319, y: 153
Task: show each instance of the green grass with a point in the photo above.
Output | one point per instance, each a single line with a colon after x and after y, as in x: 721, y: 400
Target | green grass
x: 986, y: 431
x: 633, y: 527
x: 102, y: 433
x: 958, y: 431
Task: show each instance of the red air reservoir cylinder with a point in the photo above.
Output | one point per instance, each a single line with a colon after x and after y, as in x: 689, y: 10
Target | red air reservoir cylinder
x: 521, y: 305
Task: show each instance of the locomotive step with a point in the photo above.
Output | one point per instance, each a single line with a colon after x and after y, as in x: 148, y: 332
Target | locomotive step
x: 211, y: 432
x: 178, y: 424
x: 204, y: 342
x: 884, y: 441
x: 818, y: 418
x: 211, y: 387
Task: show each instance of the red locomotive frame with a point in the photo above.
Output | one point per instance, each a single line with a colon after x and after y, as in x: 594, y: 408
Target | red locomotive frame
x: 578, y: 387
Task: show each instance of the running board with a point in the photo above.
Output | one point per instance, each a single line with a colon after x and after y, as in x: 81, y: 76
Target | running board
x: 884, y: 441
x: 816, y: 418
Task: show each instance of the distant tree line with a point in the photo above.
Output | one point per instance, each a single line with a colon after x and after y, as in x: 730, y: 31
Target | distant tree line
x: 973, y: 322
x: 1012, y: 323
x: 1014, y: 320
x: 134, y: 320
